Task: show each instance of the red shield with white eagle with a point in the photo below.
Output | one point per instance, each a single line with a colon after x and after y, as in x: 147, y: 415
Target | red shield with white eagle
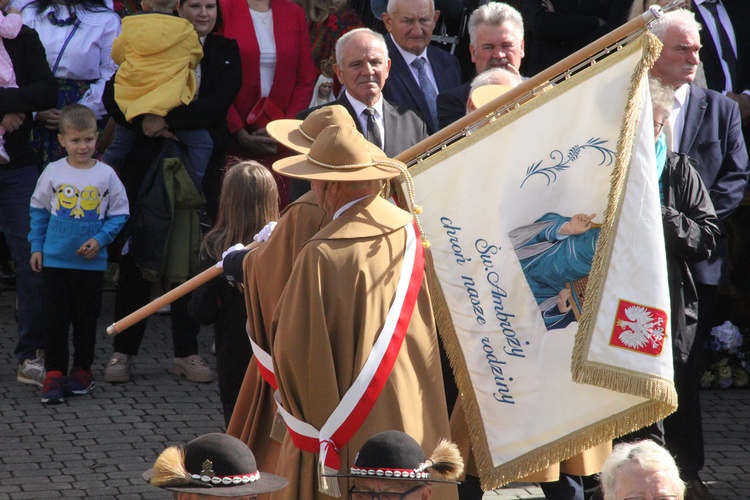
x: 639, y: 328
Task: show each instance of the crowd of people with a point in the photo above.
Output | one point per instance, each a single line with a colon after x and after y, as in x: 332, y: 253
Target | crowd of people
x: 169, y: 139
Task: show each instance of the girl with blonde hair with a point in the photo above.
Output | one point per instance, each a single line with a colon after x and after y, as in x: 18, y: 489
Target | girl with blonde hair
x: 249, y: 201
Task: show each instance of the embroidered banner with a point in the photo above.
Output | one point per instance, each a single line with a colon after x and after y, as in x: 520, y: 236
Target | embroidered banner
x: 549, y: 257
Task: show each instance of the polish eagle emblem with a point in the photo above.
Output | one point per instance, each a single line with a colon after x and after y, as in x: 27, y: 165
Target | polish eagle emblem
x: 639, y: 328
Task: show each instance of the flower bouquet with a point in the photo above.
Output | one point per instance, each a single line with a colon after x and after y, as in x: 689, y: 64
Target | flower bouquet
x: 724, y: 359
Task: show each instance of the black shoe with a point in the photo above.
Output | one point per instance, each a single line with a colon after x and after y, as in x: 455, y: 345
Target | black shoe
x: 7, y: 275
x: 697, y: 490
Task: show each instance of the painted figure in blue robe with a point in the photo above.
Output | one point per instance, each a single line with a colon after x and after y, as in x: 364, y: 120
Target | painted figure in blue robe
x: 555, y: 251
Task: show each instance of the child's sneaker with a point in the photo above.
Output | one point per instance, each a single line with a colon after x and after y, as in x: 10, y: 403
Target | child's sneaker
x: 79, y: 382
x: 52, y: 393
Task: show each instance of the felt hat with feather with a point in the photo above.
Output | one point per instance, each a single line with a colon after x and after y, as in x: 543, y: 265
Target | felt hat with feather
x: 213, y: 464
x: 396, y: 456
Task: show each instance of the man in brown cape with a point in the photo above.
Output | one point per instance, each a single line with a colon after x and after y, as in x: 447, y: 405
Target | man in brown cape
x: 266, y: 271
x: 329, y: 328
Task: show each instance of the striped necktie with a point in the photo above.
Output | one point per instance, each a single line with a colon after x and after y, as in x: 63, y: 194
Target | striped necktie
x: 373, y: 131
x: 430, y: 94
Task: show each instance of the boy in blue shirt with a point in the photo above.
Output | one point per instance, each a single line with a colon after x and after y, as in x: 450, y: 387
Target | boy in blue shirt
x: 78, y: 207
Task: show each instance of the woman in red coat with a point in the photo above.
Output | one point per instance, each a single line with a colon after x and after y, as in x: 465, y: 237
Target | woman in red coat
x: 276, y: 65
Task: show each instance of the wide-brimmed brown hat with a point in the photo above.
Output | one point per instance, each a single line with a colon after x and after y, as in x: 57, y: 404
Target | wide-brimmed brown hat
x: 298, y: 135
x: 213, y: 464
x: 340, y: 153
x: 486, y: 93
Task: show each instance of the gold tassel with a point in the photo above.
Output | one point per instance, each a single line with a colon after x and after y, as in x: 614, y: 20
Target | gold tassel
x: 446, y: 461
x: 169, y: 468
x: 328, y: 485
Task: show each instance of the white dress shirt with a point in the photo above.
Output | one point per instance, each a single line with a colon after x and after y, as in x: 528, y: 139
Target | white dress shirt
x: 677, y: 118
x: 347, y: 206
x: 359, y: 108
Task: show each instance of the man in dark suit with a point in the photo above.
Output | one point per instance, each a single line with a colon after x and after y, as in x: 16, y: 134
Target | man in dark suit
x: 419, y: 71
x: 496, y: 34
x: 362, y: 67
x: 559, y: 28
x: 726, y: 49
x: 706, y: 126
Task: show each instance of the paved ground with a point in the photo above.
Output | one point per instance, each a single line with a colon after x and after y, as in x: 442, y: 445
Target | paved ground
x: 97, y: 446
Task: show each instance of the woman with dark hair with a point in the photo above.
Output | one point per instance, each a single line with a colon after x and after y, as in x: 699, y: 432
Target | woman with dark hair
x: 220, y: 79
x: 77, y: 36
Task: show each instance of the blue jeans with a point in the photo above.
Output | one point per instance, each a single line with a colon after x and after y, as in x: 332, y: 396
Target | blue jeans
x: 16, y: 187
x: 198, y: 142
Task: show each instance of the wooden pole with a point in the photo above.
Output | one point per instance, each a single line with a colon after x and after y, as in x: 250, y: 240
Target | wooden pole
x: 435, y: 140
x: 169, y: 297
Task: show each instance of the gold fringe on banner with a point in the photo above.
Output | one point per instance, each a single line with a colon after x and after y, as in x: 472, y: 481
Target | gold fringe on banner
x: 660, y: 392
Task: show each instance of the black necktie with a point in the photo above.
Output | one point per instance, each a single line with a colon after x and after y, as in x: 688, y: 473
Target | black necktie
x: 727, y: 52
x: 373, y: 131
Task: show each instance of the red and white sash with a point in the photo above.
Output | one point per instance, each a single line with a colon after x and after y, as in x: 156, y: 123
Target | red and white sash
x: 358, y: 401
x: 264, y: 359
x: 265, y: 364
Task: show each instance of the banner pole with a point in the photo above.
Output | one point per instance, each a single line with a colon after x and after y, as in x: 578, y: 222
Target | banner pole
x: 528, y: 87
x: 169, y: 297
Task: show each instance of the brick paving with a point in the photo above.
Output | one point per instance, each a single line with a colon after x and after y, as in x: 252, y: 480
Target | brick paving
x: 97, y: 445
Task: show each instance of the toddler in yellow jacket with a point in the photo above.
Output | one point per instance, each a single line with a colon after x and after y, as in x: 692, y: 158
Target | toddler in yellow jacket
x: 158, y: 53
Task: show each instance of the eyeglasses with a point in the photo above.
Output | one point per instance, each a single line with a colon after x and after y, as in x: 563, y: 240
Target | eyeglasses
x: 383, y: 495
x: 658, y: 126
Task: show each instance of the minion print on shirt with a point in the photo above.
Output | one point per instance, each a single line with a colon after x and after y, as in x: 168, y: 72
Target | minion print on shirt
x: 83, y: 204
x: 91, y: 202
x: 67, y: 200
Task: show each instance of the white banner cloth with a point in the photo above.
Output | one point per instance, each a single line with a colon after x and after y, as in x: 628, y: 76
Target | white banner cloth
x: 496, y: 207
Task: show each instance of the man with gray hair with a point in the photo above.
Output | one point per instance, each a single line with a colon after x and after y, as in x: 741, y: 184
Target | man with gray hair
x: 496, y: 76
x: 496, y: 41
x: 706, y: 126
x: 362, y: 66
x: 636, y: 469
x: 419, y: 71
x: 501, y: 79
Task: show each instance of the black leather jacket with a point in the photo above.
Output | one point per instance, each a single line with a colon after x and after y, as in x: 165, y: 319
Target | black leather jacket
x: 690, y: 233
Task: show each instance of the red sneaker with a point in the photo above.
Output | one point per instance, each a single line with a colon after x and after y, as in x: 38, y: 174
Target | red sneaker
x: 52, y: 392
x: 79, y: 382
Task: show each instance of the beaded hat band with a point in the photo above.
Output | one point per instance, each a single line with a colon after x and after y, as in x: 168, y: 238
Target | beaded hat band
x: 227, y: 480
